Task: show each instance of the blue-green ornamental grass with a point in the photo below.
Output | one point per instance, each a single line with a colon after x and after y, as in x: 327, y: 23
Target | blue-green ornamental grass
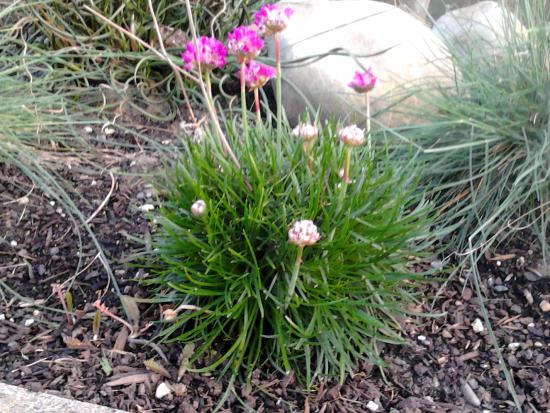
x: 228, y: 264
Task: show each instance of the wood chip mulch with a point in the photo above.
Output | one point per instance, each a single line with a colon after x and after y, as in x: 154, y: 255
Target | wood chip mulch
x: 449, y: 366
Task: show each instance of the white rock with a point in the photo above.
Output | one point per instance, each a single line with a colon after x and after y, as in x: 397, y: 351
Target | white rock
x: 399, y: 47
x: 544, y: 306
x: 2, y: 317
x: 13, y: 243
x: 162, y: 391
x: 477, y: 325
x: 421, y: 338
x: 480, y: 29
x: 372, y: 406
x: 513, y: 346
x: 470, y: 396
x: 29, y: 322
x: 147, y: 207
x: 88, y: 129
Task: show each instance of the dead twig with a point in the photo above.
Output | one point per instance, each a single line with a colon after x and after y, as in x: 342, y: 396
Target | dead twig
x: 104, y: 202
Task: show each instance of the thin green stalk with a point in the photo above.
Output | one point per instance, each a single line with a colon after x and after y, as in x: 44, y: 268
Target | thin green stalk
x: 257, y: 105
x: 347, y: 164
x: 294, y: 279
x: 243, y: 100
x: 369, y: 138
x: 279, y: 85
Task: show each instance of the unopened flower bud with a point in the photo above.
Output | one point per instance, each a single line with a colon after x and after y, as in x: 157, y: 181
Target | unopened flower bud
x: 198, y: 209
x: 352, y: 135
x: 306, y: 131
x: 169, y: 314
x: 303, y: 233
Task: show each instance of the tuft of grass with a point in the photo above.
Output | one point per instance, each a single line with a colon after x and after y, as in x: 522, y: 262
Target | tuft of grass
x: 228, y: 273
x: 486, y: 146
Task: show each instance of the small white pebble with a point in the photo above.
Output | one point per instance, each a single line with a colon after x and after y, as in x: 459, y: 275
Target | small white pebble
x: 88, y: 129
x: 477, y: 325
x: 537, y: 343
x: 59, y: 211
x: 499, y: 263
x: 162, y: 391
x: 531, y: 325
x: 2, y: 317
x: 109, y: 131
x: 514, y: 346
x: 94, y: 182
x: 147, y: 207
x: 166, y: 142
x: 29, y: 322
x: 36, y: 313
x: 544, y: 306
x: 23, y: 201
x: 421, y: 338
x: 372, y: 406
x: 52, y: 203
x: 13, y: 243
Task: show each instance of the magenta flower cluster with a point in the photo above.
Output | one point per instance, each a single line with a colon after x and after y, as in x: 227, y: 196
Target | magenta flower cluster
x: 272, y: 19
x: 364, y: 82
x: 245, y: 43
x: 257, y: 75
x: 211, y: 53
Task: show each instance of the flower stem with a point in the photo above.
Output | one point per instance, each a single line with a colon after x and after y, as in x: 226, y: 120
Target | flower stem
x: 208, y: 84
x: 369, y: 139
x: 347, y: 164
x: 308, y: 146
x: 294, y: 279
x: 243, y: 100
x: 279, y: 84
x: 257, y: 103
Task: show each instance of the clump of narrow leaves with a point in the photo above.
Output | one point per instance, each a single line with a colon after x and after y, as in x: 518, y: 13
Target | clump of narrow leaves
x: 227, y: 263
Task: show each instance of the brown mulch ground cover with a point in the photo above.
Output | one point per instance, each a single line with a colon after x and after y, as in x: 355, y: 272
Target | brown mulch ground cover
x: 449, y: 366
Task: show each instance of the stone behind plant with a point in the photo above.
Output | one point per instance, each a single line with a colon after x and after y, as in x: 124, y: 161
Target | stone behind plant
x: 401, y: 49
x: 479, y: 30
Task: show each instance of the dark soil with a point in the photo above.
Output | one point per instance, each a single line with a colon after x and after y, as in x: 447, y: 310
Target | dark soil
x: 445, y: 363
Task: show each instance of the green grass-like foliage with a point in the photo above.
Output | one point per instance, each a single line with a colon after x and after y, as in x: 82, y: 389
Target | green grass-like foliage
x: 487, y: 146
x: 234, y: 263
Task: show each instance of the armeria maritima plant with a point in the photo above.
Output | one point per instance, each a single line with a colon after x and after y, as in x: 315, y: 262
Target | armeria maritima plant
x: 279, y: 265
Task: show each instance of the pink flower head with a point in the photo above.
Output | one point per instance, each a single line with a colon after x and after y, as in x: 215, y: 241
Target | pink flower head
x: 256, y: 74
x: 245, y: 43
x: 211, y: 54
x: 363, y: 82
x: 303, y: 233
x: 352, y: 135
x: 306, y: 131
x: 271, y: 19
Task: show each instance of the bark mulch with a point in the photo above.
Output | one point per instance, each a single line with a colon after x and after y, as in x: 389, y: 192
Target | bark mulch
x: 449, y: 366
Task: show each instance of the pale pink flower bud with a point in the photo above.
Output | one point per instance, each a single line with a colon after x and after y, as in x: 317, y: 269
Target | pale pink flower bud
x: 306, y: 131
x: 352, y: 135
x: 169, y: 314
x: 198, y: 209
x: 364, y: 82
x: 303, y: 233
